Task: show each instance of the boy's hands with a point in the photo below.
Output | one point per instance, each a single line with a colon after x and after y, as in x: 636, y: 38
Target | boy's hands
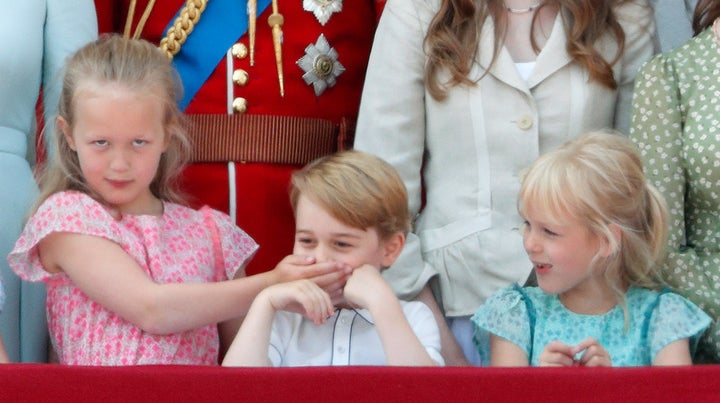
x: 367, y: 287
x: 300, y: 296
x: 558, y: 354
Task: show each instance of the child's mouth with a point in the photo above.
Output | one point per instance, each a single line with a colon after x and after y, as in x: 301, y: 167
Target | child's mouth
x: 542, y: 268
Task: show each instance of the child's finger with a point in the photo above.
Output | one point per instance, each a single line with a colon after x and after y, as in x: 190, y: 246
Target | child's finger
x: 556, y: 353
x: 318, y: 271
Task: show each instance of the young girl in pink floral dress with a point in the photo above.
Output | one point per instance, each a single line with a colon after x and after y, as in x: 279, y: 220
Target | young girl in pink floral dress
x: 132, y: 276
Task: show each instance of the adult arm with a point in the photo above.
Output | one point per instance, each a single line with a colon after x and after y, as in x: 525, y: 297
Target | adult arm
x: 637, y: 21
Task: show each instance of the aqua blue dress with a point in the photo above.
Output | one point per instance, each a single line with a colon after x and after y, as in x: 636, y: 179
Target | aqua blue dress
x: 530, y: 318
x: 38, y: 36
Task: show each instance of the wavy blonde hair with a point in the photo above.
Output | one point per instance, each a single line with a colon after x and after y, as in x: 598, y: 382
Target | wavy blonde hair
x: 598, y: 179
x: 453, y: 37
x: 358, y: 189
x: 139, y: 66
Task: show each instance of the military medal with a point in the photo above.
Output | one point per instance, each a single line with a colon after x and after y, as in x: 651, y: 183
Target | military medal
x: 321, y: 66
x: 323, y: 9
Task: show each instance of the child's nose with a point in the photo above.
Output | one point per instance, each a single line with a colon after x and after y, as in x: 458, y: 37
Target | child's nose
x: 323, y: 254
x: 530, y: 241
x: 120, y: 161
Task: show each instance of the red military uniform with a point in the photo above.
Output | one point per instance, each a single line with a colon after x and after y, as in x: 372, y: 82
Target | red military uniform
x: 261, y: 183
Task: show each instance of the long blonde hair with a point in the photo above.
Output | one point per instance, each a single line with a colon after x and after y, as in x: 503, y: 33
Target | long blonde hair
x: 453, y: 37
x: 598, y: 178
x: 140, y: 66
x: 358, y: 189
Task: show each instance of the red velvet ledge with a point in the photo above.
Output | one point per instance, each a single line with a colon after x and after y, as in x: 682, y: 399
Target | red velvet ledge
x: 46, y: 382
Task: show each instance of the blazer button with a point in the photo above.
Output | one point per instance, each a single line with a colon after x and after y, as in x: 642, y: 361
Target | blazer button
x: 524, y: 122
x: 240, y: 105
x: 239, y: 50
x: 240, y: 77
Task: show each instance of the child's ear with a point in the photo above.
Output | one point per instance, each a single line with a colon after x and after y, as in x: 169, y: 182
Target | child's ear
x: 65, y: 129
x: 611, y: 246
x: 392, y: 248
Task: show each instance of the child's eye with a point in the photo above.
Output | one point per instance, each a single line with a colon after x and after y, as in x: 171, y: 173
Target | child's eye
x: 343, y: 245
x: 100, y: 143
x: 305, y: 241
x: 139, y: 143
x: 550, y: 232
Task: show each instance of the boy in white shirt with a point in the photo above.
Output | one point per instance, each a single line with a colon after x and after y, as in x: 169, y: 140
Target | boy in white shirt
x: 350, y: 207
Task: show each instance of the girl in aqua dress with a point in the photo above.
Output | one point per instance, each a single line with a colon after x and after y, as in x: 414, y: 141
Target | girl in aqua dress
x: 595, y: 231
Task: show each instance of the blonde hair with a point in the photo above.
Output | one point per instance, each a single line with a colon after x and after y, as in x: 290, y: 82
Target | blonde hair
x: 356, y: 188
x: 139, y: 66
x: 453, y: 38
x: 598, y: 179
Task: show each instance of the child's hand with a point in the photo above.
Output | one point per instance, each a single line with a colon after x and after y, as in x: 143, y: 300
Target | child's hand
x: 296, y: 267
x: 558, y: 354
x: 366, y: 286
x: 593, y: 354
x: 300, y: 296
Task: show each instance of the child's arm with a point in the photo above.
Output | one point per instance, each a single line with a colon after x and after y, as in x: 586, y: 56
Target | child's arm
x: 288, y: 270
x: 4, y: 358
x: 367, y: 289
x: 111, y: 277
x: 250, y: 347
x: 675, y: 353
x: 504, y: 353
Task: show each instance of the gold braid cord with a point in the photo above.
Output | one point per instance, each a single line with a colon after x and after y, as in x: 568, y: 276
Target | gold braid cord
x: 184, y: 24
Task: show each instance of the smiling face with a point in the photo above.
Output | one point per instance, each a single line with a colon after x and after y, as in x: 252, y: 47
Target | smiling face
x: 119, y: 137
x: 562, y: 254
x: 322, y: 236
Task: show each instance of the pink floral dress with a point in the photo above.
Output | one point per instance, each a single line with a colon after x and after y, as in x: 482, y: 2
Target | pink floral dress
x: 182, y: 245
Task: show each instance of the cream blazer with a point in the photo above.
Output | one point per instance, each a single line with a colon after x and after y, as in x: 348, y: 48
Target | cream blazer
x: 470, y: 148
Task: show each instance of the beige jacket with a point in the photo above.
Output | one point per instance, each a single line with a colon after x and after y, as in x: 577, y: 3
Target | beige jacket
x: 470, y: 148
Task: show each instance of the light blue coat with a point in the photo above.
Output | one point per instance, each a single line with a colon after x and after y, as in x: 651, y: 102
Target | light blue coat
x: 38, y: 35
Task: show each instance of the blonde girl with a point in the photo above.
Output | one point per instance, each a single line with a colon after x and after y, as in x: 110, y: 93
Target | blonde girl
x: 133, y: 277
x: 595, y: 231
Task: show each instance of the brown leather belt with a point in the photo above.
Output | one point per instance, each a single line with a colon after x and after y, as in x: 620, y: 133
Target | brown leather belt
x: 264, y: 138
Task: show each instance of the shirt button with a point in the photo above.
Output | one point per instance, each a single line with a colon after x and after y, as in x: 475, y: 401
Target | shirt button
x: 341, y: 350
x: 524, y: 122
x: 239, y: 50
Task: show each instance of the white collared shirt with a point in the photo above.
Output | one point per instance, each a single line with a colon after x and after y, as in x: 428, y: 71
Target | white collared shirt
x: 348, y: 337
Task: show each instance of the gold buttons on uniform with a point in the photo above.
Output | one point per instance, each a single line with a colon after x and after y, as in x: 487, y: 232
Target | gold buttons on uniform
x: 524, y: 122
x: 239, y: 105
x: 239, y: 50
x: 240, y: 77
